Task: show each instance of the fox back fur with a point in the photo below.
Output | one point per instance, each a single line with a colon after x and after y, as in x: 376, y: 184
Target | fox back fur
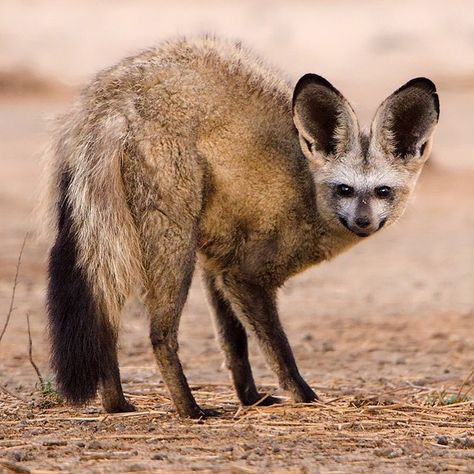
x: 195, y: 150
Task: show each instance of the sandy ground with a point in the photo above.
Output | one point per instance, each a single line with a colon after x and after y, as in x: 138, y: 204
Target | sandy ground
x: 383, y: 332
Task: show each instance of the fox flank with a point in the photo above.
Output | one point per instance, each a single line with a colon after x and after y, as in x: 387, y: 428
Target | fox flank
x: 195, y: 151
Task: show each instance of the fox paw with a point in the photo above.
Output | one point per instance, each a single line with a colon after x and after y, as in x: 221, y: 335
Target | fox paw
x: 122, y: 407
x: 263, y: 400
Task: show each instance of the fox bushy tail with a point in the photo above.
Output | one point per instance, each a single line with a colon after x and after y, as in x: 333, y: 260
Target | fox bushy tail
x: 95, y: 259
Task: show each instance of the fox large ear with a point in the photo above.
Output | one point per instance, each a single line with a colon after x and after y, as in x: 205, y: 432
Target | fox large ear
x: 326, y: 122
x: 405, y: 121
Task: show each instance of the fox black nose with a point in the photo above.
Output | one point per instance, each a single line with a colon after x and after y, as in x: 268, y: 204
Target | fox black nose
x: 362, y: 222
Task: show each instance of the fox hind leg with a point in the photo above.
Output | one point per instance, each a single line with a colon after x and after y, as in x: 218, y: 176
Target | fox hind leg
x: 166, y: 201
x: 113, y: 399
x: 166, y: 293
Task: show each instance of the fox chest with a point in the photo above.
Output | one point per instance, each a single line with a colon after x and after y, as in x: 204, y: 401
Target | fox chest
x: 269, y: 258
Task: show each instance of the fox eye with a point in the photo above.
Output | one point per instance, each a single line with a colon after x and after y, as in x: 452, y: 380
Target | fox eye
x: 344, y: 190
x: 383, y: 192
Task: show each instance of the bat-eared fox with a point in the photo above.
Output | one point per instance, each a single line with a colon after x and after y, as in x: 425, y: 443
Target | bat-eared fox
x: 197, y: 151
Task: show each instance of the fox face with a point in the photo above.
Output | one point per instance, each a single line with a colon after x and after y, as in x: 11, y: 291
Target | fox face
x: 364, y: 179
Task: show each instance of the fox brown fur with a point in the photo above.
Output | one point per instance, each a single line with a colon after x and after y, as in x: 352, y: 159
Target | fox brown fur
x: 192, y: 151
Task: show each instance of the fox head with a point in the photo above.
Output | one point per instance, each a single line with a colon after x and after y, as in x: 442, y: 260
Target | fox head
x: 363, y: 179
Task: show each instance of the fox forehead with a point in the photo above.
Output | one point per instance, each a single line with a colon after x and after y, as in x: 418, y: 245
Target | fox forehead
x: 363, y: 175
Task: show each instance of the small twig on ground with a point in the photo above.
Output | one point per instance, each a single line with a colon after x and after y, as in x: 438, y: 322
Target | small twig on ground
x: 30, y: 354
x: 9, y: 314
x: 14, y: 395
x: 13, y: 467
x: 15, y: 282
x: 247, y: 408
x: 466, y: 380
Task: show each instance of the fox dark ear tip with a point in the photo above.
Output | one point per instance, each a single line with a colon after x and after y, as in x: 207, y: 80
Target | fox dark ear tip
x: 427, y: 85
x: 312, y: 79
x: 422, y: 83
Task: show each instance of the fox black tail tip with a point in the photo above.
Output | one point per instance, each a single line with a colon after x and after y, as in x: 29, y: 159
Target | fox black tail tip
x: 83, y: 341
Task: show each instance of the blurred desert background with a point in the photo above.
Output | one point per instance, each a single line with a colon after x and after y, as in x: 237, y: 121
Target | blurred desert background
x: 389, y: 323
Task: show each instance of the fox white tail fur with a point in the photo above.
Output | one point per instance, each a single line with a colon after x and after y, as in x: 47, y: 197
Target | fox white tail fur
x: 192, y: 150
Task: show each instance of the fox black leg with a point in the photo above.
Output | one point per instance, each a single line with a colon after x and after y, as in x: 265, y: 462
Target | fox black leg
x: 256, y: 306
x: 233, y: 340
